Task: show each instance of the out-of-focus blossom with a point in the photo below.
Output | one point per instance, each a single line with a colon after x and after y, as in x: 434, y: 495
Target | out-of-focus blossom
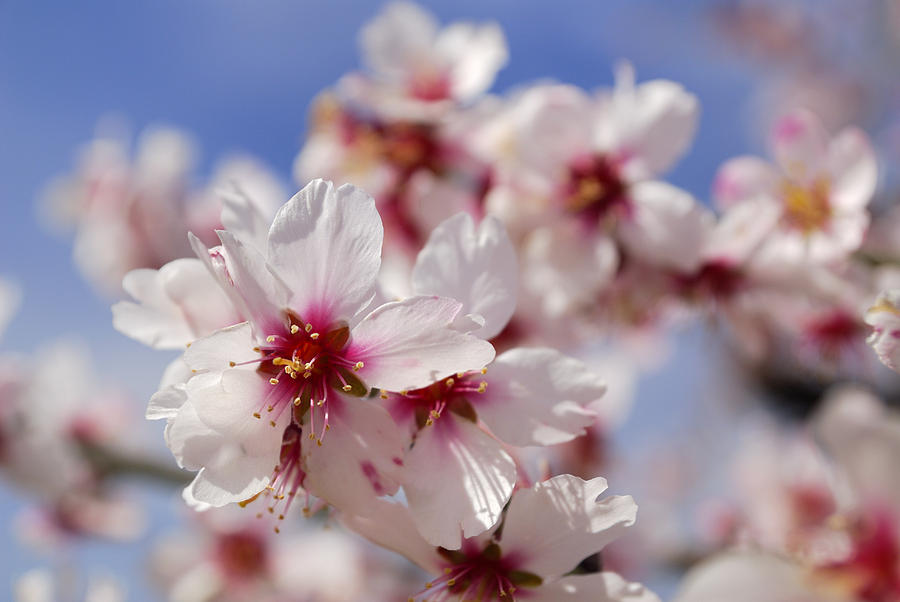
x: 283, y: 389
x: 48, y: 424
x: 230, y: 556
x: 42, y: 585
x: 820, y: 189
x: 135, y: 212
x: 884, y: 318
x: 545, y: 533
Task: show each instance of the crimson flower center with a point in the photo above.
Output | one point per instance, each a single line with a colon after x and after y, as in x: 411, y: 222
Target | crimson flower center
x: 594, y: 188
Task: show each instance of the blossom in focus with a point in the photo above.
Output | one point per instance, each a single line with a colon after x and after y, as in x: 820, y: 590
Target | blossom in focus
x: 287, y: 388
x: 527, y: 396
x: 546, y: 531
x: 820, y: 188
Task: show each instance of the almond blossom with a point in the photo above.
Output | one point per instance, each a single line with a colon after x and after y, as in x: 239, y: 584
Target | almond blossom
x: 820, y: 188
x: 546, y: 531
x: 284, y: 388
x: 884, y: 318
x: 527, y: 396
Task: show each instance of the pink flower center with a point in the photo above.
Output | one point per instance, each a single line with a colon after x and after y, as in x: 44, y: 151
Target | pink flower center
x: 305, y: 366
x: 241, y: 555
x: 454, y: 394
x: 480, y: 575
x: 594, y: 188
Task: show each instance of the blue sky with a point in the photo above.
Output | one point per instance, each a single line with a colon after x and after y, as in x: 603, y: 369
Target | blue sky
x: 240, y: 76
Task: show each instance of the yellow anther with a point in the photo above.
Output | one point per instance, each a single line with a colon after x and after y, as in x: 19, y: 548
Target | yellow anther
x: 347, y: 388
x: 320, y: 403
x: 232, y: 364
x: 314, y: 336
x: 272, y: 422
x: 294, y: 329
x: 451, y: 582
x: 277, y: 530
x: 429, y: 422
x: 384, y: 395
x: 319, y: 442
x: 482, y: 386
x: 271, y: 509
x: 259, y: 515
x: 270, y: 408
x: 297, y: 401
x: 188, y: 345
x: 273, y: 381
x: 450, y: 382
x: 270, y: 338
x: 308, y: 327
x: 429, y: 585
x: 281, y: 516
x: 460, y: 374
x: 484, y: 370
x: 358, y: 366
x: 256, y: 415
x: 307, y: 374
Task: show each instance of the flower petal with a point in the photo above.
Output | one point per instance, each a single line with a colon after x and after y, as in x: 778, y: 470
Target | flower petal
x: 799, y: 143
x: 389, y: 525
x: 476, y: 268
x: 360, y: 457
x: 744, y: 179
x: 598, y: 587
x: 326, y: 245
x: 748, y: 577
x: 558, y: 523
x: 457, y: 481
x: 412, y: 343
x: 853, y: 169
x: 538, y: 397
x: 668, y: 227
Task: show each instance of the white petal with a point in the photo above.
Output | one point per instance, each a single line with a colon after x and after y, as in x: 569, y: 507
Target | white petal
x: 228, y: 407
x: 538, y: 397
x: 264, y: 295
x: 884, y: 318
x: 477, y: 269
x: 475, y: 54
x: 397, y: 38
x: 360, y: 458
x: 668, y: 228
x: 457, y: 481
x: 213, y: 352
x: 656, y: 124
x: 598, y: 587
x: 853, y: 169
x: 743, y: 179
x: 234, y: 478
x: 748, y: 577
x: 558, y: 523
x: 412, y: 343
x: 799, y: 143
x: 174, y: 305
x: 390, y: 525
x: 326, y: 245
x: 165, y: 402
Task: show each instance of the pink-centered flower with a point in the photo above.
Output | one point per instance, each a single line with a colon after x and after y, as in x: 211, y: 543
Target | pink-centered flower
x: 458, y: 475
x: 820, y: 188
x: 546, y: 532
x: 287, y: 387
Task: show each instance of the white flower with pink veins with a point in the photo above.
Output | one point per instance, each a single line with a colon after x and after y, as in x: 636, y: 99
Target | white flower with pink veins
x: 546, y: 532
x: 820, y: 188
x: 458, y: 475
x: 286, y: 388
x: 884, y: 318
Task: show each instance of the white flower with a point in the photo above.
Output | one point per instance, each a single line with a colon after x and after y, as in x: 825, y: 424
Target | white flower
x: 884, y: 318
x: 546, y: 532
x: 265, y: 392
x: 820, y: 187
x: 457, y: 475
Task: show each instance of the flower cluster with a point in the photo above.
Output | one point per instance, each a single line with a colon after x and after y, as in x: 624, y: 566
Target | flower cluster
x: 435, y: 342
